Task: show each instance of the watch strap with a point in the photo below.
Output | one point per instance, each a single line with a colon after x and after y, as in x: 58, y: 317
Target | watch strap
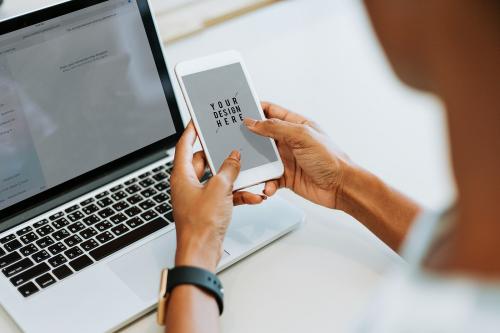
x: 209, y: 282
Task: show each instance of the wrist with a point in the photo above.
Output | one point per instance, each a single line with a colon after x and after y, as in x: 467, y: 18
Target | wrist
x: 198, y: 253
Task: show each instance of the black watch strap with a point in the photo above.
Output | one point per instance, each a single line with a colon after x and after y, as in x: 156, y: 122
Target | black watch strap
x: 197, y: 277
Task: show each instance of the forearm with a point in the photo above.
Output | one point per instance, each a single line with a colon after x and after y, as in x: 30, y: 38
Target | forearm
x: 191, y: 310
x: 383, y: 210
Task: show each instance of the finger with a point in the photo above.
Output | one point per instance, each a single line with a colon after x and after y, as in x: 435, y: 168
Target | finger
x: 184, y: 151
x: 247, y: 198
x: 271, y: 187
x: 199, y: 163
x: 278, y: 112
x: 230, y: 169
x: 275, y: 128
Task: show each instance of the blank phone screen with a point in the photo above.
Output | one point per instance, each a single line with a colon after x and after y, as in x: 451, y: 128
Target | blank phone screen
x: 221, y: 98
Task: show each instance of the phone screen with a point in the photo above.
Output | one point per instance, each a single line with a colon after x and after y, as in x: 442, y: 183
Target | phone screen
x: 221, y: 98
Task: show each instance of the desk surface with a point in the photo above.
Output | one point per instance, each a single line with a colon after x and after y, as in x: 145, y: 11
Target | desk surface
x: 320, y: 58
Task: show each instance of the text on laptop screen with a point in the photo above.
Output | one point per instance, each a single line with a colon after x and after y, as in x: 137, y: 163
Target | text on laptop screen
x: 76, y: 92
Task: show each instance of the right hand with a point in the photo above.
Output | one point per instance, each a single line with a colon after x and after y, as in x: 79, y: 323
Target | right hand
x: 314, y: 167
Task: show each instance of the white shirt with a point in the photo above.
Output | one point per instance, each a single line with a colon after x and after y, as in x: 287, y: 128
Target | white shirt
x: 415, y: 300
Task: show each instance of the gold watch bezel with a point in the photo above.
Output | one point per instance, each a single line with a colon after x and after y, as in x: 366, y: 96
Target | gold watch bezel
x: 162, y: 299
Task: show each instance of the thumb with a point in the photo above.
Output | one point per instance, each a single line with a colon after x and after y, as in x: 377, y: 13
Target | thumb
x: 230, y: 169
x: 273, y: 128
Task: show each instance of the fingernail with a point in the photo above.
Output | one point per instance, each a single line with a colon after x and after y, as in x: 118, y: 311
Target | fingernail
x: 235, y: 154
x: 249, y: 122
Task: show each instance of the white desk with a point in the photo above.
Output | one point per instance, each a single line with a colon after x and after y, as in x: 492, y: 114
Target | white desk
x: 319, y: 57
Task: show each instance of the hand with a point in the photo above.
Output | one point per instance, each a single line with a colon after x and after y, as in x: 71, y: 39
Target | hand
x: 314, y: 167
x: 202, y: 212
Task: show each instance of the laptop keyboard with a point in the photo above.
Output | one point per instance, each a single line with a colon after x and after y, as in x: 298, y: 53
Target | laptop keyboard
x: 68, y: 241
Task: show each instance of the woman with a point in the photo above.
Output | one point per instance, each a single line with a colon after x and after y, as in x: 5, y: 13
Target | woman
x: 448, y: 47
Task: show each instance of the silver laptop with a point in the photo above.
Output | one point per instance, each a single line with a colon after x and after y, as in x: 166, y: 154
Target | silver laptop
x: 88, y: 123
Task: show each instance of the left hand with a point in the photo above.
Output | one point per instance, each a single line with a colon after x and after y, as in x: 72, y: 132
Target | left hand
x: 202, y: 212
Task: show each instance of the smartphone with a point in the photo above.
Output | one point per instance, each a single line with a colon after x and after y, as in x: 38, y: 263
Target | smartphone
x: 219, y: 96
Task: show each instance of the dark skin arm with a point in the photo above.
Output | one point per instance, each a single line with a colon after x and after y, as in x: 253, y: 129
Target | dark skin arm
x: 314, y: 169
x: 318, y: 171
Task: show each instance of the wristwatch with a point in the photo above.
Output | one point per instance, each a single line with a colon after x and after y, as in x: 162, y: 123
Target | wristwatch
x: 171, y: 278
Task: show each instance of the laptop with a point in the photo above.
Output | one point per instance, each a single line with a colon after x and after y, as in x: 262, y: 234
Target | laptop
x: 88, y: 125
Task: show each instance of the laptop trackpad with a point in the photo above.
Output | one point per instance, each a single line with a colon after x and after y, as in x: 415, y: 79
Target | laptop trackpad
x: 140, y: 269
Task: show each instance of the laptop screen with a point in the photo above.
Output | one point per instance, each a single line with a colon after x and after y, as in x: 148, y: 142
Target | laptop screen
x: 77, y: 91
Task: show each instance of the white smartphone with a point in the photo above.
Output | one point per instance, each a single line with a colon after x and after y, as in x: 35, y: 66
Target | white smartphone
x: 219, y: 95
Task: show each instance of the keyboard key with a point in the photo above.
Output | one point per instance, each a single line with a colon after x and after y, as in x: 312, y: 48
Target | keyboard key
x: 128, y: 239
x: 9, y: 259
x: 88, y: 233
x: 120, y: 229
x: 7, y: 238
x: 149, y: 215
x: 132, y: 211
x: 2, y: 252
x: 119, y: 196
x: 44, y: 242
x: 62, y: 272
x: 89, y: 245
x: 116, y: 188
x: 163, y: 208
x: 29, y: 237
x: 146, y: 182
x: 73, y: 240
x: 105, y: 237
x: 24, y: 231
x: 80, y: 263
x: 56, y: 216
x: 121, y: 206
x: 90, y: 209
x: 91, y: 220
x: 162, y: 186
x: 157, y: 169
x: 145, y: 175
x: 29, y: 274
x: 40, y: 256
x: 28, y: 289
x: 60, y: 223
x: 102, y: 195
x: 134, y: 199
x: 73, y: 217
x: 104, y: 225
x: 86, y: 202
x: 18, y: 267
x: 71, y: 209
x: 147, y: 204
x: 118, y: 218
x: 45, y: 280
x: 133, y: 189
x: 162, y: 197
x: 148, y: 192
x: 73, y: 252
x: 13, y: 245
x: 130, y: 181
x: 45, y: 230
x: 57, y: 248
x: 61, y: 234
x: 134, y: 222
x: 160, y: 176
x: 106, y: 212
x: 170, y: 216
x: 105, y: 202
x: 40, y: 223
x: 57, y: 260
x: 28, y: 250
x: 75, y: 227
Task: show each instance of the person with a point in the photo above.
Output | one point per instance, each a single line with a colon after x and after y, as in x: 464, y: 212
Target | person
x: 448, y: 47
